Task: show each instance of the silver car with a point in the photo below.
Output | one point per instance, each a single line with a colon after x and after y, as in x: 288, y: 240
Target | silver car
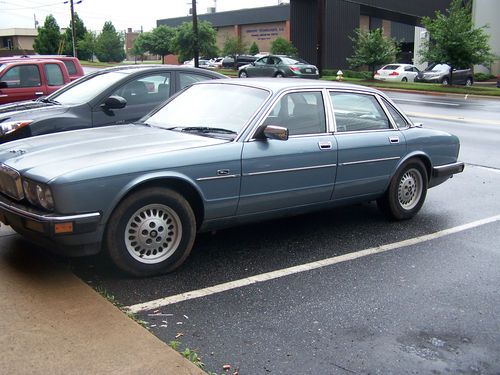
x: 221, y: 153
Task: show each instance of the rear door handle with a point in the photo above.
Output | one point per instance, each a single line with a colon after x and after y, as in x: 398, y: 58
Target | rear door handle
x: 394, y: 139
x: 325, y: 145
x: 39, y: 93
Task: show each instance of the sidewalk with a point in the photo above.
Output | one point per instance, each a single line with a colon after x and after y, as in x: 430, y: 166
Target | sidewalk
x: 53, y: 323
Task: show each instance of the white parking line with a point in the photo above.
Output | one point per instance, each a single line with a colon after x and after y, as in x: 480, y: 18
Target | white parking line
x: 161, y: 302
x: 452, y: 118
x: 425, y: 101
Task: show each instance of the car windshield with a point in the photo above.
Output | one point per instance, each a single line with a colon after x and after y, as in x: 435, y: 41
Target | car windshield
x: 223, y: 108
x: 437, y: 68
x: 291, y: 61
x: 84, y: 90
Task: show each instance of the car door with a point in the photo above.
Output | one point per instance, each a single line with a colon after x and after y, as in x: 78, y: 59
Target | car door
x: 369, y: 145
x: 257, y: 69
x: 21, y: 82
x: 300, y: 171
x: 142, y: 93
x: 53, y: 76
x: 411, y: 72
x: 270, y: 68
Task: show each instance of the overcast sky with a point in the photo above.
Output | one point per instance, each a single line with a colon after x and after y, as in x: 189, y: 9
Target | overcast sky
x: 122, y: 13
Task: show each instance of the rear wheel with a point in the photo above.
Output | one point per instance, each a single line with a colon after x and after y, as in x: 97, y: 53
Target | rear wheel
x: 407, y: 191
x: 404, y: 79
x: 468, y: 82
x: 445, y: 81
x: 279, y: 75
x: 243, y: 74
x: 151, y: 232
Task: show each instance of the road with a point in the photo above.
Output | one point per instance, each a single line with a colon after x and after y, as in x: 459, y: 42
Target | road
x: 344, y: 291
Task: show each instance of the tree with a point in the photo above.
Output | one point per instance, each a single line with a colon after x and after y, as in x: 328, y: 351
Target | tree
x: 372, y: 48
x: 184, y: 40
x: 454, y: 39
x: 160, y: 41
x: 109, y: 44
x: 80, y: 31
x: 141, y: 45
x: 254, y: 49
x: 234, y: 46
x: 86, y: 46
x: 49, y: 37
x: 281, y: 46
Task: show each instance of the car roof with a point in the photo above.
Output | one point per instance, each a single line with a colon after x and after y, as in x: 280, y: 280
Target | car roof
x: 130, y: 69
x: 18, y: 61
x: 280, y: 84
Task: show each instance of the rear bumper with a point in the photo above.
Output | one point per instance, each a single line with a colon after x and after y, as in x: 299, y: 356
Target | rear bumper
x: 448, y: 169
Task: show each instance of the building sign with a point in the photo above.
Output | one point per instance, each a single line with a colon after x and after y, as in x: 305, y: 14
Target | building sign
x: 265, y: 33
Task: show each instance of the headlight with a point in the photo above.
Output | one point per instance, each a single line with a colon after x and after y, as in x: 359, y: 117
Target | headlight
x: 38, y: 194
x: 11, y: 126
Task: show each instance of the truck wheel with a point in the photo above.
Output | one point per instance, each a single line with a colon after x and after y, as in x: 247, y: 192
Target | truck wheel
x: 151, y: 232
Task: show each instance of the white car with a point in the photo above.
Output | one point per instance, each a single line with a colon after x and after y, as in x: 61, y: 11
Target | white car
x: 397, y: 73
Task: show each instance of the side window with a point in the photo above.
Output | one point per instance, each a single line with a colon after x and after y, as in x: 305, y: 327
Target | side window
x: 148, y: 89
x: 301, y: 112
x: 70, y: 65
x: 358, y: 112
x: 187, y: 79
x: 54, y: 75
x: 22, y: 76
x: 397, y: 117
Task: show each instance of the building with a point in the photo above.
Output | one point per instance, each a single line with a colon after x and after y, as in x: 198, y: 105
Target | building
x: 486, y: 12
x: 259, y: 25
x: 17, y: 39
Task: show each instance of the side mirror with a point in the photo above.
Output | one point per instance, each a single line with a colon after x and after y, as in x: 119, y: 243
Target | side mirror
x: 273, y: 132
x: 3, y: 85
x: 114, y: 102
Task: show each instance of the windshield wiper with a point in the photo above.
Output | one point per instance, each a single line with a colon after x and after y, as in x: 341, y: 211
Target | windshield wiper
x: 202, y: 129
x: 47, y: 100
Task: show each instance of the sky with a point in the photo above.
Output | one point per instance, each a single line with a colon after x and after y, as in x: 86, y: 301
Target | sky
x: 122, y: 13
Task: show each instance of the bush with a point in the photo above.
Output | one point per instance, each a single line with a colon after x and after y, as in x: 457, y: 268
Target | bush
x: 478, y: 77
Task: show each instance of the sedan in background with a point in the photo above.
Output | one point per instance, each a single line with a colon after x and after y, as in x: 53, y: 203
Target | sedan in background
x: 109, y: 96
x: 442, y: 73
x: 279, y: 66
x: 221, y: 153
x: 397, y: 73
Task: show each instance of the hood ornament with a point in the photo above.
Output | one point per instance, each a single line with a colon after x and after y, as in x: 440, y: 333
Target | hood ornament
x: 17, y: 151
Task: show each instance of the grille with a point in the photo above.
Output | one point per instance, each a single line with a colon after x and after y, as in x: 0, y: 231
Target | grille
x: 10, y: 182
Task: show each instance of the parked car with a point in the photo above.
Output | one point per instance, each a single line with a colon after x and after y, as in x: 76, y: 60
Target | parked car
x: 72, y: 64
x: 397, y: 73
x: 228, y: 61
x: 441, y: 73
x: 221, y: 153
x: 279, y: 66
x: 30, y: 78
x: 109, y: 96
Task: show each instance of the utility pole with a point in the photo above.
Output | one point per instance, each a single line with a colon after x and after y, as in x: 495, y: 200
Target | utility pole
x: 73, y: 28
x: 196, y: 47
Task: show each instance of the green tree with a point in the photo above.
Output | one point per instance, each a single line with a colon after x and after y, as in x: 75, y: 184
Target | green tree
x: 109, y: 44
x: 160, y: 41
x: 48, y: 38
x: 234, y: 46
x: 80, y: 31
x: 281, y: 46
x: 372, y: 48
x: 141, y: 45
x: 184, y: 40
x: 254, y: 49
x: 86, y: 46
x: 454, y: 39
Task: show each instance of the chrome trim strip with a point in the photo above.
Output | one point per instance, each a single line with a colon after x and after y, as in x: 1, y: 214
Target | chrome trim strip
x: 217, y: 177
x: 369, y: 161
x: 289, y: 170
x: 31, y: 215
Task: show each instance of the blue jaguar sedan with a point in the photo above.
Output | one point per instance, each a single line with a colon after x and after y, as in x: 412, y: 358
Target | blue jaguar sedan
x: 221, y: 153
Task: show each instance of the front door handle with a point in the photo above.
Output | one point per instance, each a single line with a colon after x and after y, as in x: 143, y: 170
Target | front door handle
x: 325, y: 145
x: 39, y: 93
x: 394, y: 139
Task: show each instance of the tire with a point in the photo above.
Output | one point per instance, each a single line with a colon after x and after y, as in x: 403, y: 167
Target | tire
x: 406, y: 192
x: 468, y: 81
x: 445, y: 81
x: 243, y: 74
x: 279, y: 75
x: 151, y: 232
x: 404, y: 79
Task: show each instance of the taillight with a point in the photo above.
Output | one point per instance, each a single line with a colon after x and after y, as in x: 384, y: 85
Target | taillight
x: 394, y: 74
x: 294, y: 68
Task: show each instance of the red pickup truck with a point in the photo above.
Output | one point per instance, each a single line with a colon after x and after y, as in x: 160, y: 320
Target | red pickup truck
x: 26, y: 79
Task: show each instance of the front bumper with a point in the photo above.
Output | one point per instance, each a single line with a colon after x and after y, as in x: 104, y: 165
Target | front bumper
x: 72, y: 235
x: 448, y: 169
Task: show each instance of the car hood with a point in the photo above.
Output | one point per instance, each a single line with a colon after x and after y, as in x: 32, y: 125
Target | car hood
x: 30, y: 110
x: 49, y: 156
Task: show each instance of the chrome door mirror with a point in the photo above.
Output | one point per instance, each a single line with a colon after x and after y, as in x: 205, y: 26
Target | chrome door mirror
x: 276, y: 132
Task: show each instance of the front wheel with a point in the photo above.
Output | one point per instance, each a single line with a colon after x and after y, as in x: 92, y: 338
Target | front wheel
x: 243, y: 74
x: 407, y: 191
x: 468, y: 82
x: 151, y: 232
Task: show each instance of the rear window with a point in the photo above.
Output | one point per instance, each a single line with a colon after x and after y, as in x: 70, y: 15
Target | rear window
x: 391, y: 67
x: 54, y: 75
x: 70, y: 65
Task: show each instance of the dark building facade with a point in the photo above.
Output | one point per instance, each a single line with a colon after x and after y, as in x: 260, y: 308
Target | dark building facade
x: 320, y: 29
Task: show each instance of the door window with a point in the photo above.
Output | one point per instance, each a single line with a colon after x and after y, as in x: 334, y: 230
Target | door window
x: 54, y: 75
x: 397, y: 117
x: 147, y: 89
x: 70, y: 65
x: 187, y: 79
x: 358, y: 112
x: 299, y: 112
x: 22, y: 76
